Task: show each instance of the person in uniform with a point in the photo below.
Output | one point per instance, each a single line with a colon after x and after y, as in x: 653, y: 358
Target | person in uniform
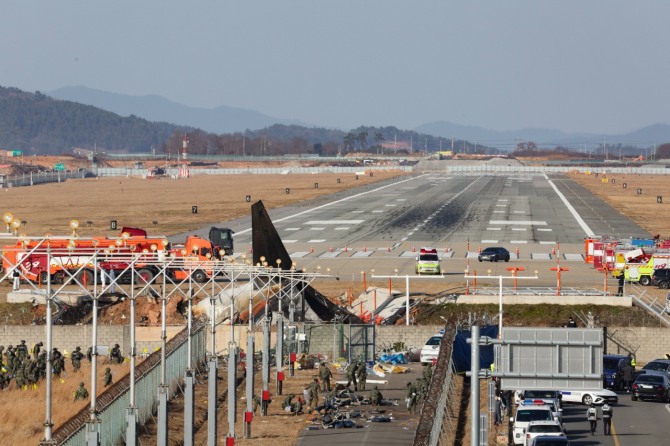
x: 314, y: 393
x: 81, y: 393
x: 592, y: 416
x: 375, y: 396
x: 608, y: 412
x: 76, y: 357
x: 411, y: 397
x: 351, y: 376
x: 325, y: 374
x: 108, y: 377
x: 361, y: 375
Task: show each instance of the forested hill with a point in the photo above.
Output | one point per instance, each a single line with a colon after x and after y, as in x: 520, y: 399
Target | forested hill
x: 36, y: 123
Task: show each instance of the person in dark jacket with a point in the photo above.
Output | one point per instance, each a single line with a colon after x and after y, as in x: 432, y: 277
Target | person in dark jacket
x: 628, y: 376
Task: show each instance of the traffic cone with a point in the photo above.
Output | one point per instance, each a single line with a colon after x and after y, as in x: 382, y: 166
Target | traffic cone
x: 480, y: 249
x: 413, y: 249
x: 311, y: 249
x: 553, y: 251
x: 388, y: 249
x: 346, y: 249
x: 250, y: 249
x: 331, y: 249
x: 365, y: 249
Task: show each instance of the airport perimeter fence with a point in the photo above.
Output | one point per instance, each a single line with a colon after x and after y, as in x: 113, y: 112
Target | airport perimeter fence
x: 174, y: 173
x: 438, y: 416
x: 114, y: 402
x: 555, y: 169
x: 31, y: 179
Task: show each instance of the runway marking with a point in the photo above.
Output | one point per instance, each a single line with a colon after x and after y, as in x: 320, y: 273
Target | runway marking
x: 378, y: 211
x: 498, y: 212
x: 356, y: 212
x: 494, y: 229
x: 316, y: 229
x: 334, y: 222
x: 292, y: 229
x: 501, y: 205
x: 545, y: 229
x: 316, y: 240
x: 299, y: 254
x: 519, y: 212
x: 576, y: 257
x: 289, y: 241
x: 572, y: 210
x: 341, y: 200
x: 362, y: 254
x: 489, y: 241
x: 518, y: 229
x: 390, y: 205
x: 519, y: 242
x: 545, y: 242
x: 540, y: 256
x: 502, y: 199
x: 401, y: 199
x: 518, y: 222
x: 404, y: 239
x: 341, y: 229
x: 408, y: 254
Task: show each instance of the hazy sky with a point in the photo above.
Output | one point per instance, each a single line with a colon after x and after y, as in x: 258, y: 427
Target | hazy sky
x: 598, y: 66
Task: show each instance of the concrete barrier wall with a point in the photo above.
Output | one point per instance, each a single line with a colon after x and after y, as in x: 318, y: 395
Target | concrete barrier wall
x: 648, y: 343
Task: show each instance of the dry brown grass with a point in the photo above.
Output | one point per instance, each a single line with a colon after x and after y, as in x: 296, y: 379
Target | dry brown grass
x: 642, y: 209
x: 138, y: 202
x: 22, y: 412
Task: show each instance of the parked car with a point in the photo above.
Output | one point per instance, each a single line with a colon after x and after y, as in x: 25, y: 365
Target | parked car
x: 651, y: 386
x: 542, y: 428
x: 661, y: 278
x: 613, y: 371
x: 657, y: 365
x: 587, y: 397
x: 431, y: 349
x: 494, y: 254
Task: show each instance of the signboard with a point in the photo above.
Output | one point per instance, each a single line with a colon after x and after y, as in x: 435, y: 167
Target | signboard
x: 59, y: 167
x: 550, y: 358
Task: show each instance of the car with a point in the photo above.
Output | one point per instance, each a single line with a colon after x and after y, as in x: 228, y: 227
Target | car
x: 538, y: 394
x: 553, y: 403
x: 545, y: 440
x: 542, y: 428
x: 613, y: 371
x: 652, y: 386
x: 588, y: 397
x: 494, y: 254
x: 526, y: 413
x: 431, y: 349
x: 657, y: 365
x: 661, y: 278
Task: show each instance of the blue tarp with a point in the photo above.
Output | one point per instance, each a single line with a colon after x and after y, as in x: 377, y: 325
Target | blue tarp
x: 462, y: 352
x: 397, y: 358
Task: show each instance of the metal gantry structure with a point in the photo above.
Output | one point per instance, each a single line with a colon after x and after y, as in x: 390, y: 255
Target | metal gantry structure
x: 81, y: 270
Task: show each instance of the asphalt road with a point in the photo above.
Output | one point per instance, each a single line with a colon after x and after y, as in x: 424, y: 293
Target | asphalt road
x: 634, y: 423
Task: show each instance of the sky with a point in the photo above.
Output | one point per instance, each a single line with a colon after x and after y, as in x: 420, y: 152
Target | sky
x: 596, y: 66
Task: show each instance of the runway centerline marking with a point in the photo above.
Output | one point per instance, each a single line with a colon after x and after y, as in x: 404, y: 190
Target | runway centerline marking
x: 572, y: 210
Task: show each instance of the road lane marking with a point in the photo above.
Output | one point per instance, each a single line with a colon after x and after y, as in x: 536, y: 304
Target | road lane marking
x: 519, y: 222
x: 334, y: 222
x: 613, y: 432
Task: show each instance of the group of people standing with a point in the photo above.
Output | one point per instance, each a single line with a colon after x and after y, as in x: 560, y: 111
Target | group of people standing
x: 26, y: 367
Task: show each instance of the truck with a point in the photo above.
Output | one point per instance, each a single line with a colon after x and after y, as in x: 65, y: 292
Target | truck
x: 75, y: 256
x: 428, y: 262
x: 113, y: 256
x: 641, y: 272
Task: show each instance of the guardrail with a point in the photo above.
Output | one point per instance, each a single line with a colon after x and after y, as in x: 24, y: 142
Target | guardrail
x: 112, y: 404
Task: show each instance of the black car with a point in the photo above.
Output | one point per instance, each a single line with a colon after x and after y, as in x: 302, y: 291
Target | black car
x: 661, y: 278
x: 653, y: 386
x: 494, y: 254
x: 613, y: 371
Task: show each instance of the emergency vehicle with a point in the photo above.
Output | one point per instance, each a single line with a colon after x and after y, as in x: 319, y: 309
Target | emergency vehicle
x: 428, y: 262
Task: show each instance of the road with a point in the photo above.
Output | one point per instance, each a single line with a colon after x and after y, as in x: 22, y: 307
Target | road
x: 635, y: 423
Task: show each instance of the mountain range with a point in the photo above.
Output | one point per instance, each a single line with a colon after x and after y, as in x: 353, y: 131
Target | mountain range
x: 224, y: 119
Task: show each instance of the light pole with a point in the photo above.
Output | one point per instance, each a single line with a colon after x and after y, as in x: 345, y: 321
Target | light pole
x: 500, y: 292
x: 406, y: 277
